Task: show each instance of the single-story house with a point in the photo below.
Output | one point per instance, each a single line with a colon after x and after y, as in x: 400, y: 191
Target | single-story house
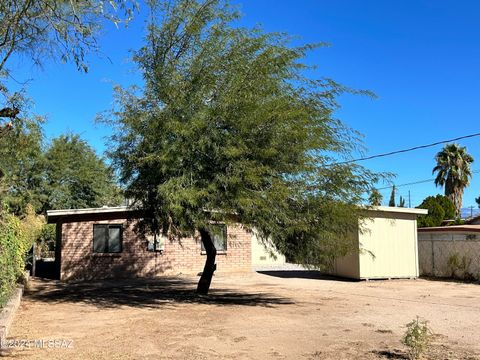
x: 386, y: 248
x: 473, y: 221
x: 102, y: 243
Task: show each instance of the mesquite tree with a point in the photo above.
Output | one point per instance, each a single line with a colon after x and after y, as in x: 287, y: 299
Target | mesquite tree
x: 226, y: 128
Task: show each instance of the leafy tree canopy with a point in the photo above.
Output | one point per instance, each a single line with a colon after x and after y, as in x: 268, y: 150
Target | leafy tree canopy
x: 21, y: 176
x: 227, y: 125
x: 75, y: 177
x: 439, y: 208
x: 67, y: 174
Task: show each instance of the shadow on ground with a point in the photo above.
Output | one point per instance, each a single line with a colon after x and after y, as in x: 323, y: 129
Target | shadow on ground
x: 303, y: 274
x: 450, y: 280
x: 391, y: 354
x: 145, y: 293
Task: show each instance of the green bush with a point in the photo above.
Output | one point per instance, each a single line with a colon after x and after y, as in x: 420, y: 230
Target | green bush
x: 46, y: 240
x: 439, y: 208
x: 16, y: 238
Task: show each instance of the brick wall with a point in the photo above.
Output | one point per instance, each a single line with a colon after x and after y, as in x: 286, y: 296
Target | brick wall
x: 79, y: 262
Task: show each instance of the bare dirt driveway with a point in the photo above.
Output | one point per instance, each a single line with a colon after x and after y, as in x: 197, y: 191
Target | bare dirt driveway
x: 276, y: 315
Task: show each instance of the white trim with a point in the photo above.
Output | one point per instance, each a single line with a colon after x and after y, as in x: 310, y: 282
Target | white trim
x: 398, y: 210
x: 118, y: 209
x: 102, y: 210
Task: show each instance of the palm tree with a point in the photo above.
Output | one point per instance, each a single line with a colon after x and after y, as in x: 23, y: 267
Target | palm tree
x: 375, y: 198
x: 453, y: 172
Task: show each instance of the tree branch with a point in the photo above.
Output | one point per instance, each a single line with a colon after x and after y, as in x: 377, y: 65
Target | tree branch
x: 9, y: 112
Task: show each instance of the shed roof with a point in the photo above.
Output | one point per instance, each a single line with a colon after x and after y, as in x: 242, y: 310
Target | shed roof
x: 399, y: 210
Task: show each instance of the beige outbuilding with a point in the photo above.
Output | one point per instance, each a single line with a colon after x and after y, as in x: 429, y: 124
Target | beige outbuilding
x: 265, y: 254
x: 387, y: 246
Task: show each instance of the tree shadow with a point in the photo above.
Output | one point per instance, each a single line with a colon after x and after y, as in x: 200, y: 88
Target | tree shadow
x: 450, y: 280
x: 145, y: 293
x: 304, y: 274
x: 391, y: 354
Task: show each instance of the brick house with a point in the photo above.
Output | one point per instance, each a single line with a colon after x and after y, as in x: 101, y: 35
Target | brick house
x: 101, y: 243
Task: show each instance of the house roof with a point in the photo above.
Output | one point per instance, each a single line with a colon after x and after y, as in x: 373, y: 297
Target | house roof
x: 453, y: 228
x: 53, y: 215
x: 471, y: 220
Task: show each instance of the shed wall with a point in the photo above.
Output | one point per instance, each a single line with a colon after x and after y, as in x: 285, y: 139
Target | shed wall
x: 265, y: 254
x: 387, y: 248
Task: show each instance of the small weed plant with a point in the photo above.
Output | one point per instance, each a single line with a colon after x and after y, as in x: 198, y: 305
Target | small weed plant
x: 417, y: 338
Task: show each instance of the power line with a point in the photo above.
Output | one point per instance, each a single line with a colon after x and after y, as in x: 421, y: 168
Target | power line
x: 416, y: 182
x: 404, y: 150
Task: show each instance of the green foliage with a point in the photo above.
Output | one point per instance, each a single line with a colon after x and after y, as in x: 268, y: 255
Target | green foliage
x: 21, y: 165
x: 401, y: 202
x: 417, y: 338
x: 45, y: 242
x: 439, y: 208
x: 16, y: 238
x: 477, y: 200
x: 68, y: 174
x: 375, y: 198
x: 48, y: 29
x: 453, y: 172
x: 227, y: 122
x: 63, y: 30
x: 76, y: 177
x: 391, y: 202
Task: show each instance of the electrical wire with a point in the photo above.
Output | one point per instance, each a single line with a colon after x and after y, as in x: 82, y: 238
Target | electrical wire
x: 416, y: 182
x: 404, y: 150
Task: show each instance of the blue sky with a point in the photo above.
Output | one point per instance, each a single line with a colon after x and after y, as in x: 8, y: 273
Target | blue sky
x: 422, y: 59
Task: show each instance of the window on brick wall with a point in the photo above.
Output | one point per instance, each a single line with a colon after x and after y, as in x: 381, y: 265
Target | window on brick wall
x: 107, y: 238
x: 156, y: 242
x: 218, y: 232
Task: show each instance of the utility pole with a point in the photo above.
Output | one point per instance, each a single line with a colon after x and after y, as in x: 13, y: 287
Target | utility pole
x: 409, y: 202
x: 471, y: 211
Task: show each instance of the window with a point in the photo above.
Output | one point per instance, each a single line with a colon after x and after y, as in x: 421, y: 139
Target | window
x: 107, y: 238
x: 218, y: 232
x: 156, y: 243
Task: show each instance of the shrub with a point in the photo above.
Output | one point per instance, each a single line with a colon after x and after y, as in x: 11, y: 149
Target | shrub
x: 16, y: 238
x: 417, y: 338
x: 459, y: 265
x: 46, y: 240
x: 439, y: 208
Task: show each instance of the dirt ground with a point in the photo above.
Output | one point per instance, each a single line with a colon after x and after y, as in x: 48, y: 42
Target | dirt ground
x: 273, y: 315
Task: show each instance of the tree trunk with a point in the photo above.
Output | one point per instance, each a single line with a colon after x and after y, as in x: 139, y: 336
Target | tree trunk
x: 210, y: 266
